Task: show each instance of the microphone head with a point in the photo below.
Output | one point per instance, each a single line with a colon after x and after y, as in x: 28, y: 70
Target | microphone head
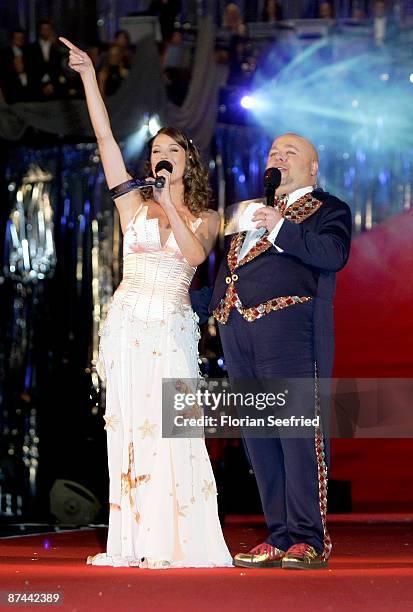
x: 163, y: 165
x: 159, y: 182
x: 272, y: 179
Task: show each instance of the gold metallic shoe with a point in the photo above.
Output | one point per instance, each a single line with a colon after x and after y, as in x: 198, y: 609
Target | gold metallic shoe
x: 303, y: 556
x: 263, y: 555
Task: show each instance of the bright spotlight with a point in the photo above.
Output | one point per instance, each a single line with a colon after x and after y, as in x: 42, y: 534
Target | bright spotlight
x: 411, y: 78
x: 248, y: 102
x: 154, y: 125
x: 136, y: 142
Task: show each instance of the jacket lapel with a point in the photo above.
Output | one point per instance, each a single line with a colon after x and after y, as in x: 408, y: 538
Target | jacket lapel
x: 297, y: 213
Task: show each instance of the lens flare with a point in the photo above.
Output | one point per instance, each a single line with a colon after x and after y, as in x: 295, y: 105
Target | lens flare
x: 154, y: 125
x: 135, y: 143
x: 248, y: 102
x: 328, y: 91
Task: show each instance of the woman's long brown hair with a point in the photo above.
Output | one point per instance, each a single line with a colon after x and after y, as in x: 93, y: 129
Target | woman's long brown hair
x: 197, y: 191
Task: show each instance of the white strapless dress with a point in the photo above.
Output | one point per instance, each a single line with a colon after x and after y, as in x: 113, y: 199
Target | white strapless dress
x: 162, y: 493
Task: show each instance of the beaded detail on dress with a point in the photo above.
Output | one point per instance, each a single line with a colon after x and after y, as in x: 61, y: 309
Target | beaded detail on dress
x: 156, y: 277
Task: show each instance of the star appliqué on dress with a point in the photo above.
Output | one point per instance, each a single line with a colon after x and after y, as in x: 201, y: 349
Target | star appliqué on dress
x: 111, y: 421
x: 180, y: 509
x: 147, y: 429
x: 208, y: 488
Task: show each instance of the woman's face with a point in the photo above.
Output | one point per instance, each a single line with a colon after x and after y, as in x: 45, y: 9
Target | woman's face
x: 122, y: 40
x: 114, y: 56
x: 166, y: 148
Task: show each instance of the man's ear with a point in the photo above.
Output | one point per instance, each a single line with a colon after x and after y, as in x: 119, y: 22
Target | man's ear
x: 314, y: 168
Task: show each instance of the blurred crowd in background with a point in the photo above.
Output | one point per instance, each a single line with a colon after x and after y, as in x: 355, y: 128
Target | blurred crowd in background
x: 38, y: 71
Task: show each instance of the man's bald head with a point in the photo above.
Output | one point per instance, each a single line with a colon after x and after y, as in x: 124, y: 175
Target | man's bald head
x: 297, y: 159
x: 306, y: 144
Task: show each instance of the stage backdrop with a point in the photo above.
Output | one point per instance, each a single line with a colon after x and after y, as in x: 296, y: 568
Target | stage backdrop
x: 374, y: 338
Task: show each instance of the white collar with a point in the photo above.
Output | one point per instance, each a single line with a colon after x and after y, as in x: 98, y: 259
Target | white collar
x: 298, y: 193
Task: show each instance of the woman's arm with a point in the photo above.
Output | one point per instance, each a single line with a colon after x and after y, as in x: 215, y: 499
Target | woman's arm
x: 111, y: 156
x: 195, y: 247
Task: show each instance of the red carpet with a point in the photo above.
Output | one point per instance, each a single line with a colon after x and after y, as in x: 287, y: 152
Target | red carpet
x: 371, y: 569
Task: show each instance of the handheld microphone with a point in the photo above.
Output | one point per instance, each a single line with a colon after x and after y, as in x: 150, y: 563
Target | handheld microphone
x: 272, y: 180
x: 162, y: 165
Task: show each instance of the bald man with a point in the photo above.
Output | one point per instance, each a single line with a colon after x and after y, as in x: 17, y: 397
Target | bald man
x: 273, y: 300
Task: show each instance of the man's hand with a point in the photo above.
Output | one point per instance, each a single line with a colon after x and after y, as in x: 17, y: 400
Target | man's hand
x: 267, y: 217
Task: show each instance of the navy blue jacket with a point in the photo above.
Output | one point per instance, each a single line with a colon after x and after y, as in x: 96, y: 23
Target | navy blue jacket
x: 313, y: 251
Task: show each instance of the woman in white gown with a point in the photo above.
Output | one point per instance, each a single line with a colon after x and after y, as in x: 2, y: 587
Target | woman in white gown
x: 162, y: 494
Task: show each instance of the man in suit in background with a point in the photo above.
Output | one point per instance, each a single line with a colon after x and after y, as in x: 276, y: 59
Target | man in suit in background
x: 45, y: 59
x: 14, y: 81
x: 273, y: 301
x: 17, y: 47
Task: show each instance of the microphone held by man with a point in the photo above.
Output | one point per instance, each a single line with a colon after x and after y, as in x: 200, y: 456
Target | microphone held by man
x: 272, y: 180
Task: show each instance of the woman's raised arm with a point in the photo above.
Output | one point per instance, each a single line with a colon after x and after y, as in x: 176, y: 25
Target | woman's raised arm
x: 111, y: 156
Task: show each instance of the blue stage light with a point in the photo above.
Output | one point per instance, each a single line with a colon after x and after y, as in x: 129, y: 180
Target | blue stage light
x: 136, y: 142
x: 248, y: 102
x: 154, y: 125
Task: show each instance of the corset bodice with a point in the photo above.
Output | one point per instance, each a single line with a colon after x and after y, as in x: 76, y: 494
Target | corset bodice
x: 156, y: 277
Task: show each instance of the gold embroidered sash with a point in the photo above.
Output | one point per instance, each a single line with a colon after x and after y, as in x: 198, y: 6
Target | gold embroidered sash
x: 298, y: 212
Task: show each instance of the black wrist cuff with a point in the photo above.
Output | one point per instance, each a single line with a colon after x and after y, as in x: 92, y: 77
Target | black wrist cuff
x: 125, y: 187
